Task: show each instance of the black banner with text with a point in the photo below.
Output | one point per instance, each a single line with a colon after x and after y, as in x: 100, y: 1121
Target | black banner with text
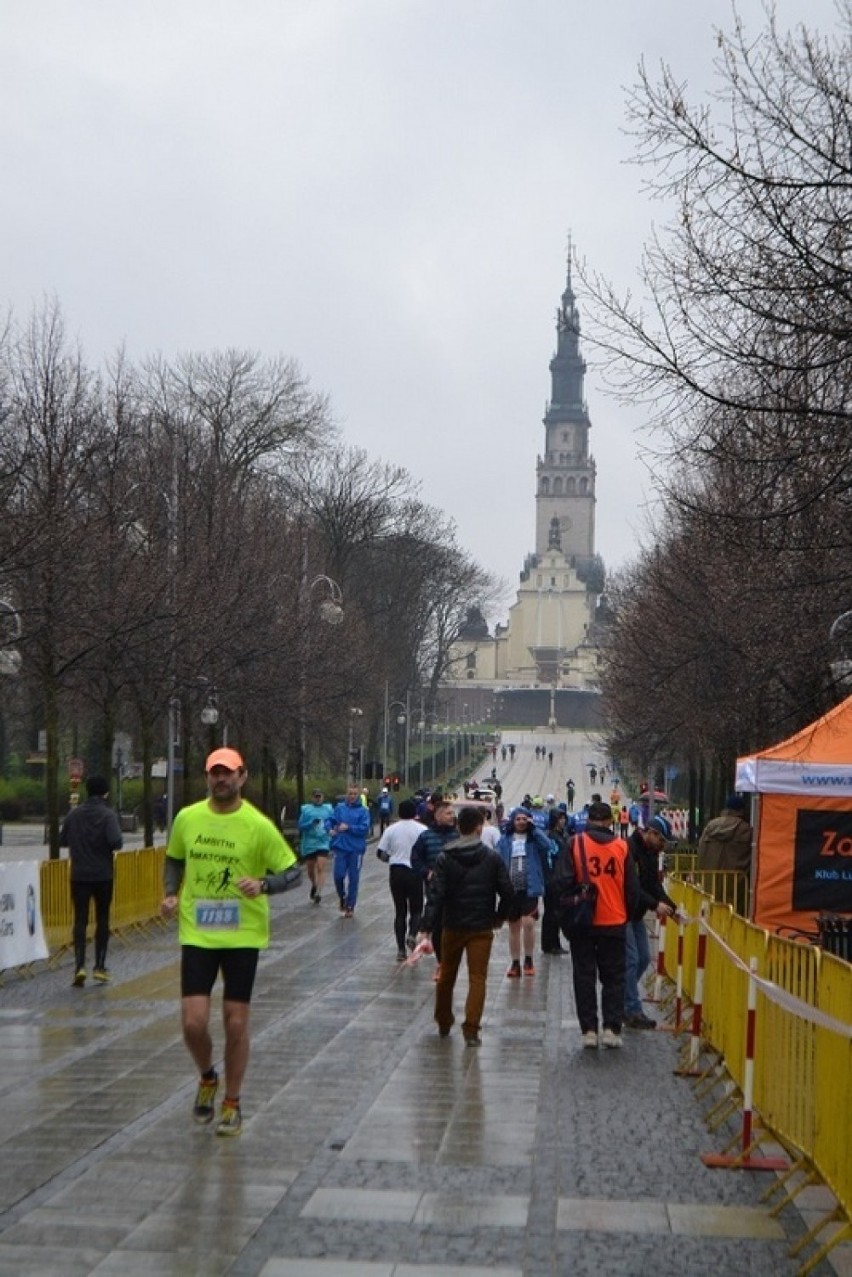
x: 822, y: 875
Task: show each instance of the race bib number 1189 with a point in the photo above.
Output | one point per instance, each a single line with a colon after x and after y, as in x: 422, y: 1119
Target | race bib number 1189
x: 217, y: 915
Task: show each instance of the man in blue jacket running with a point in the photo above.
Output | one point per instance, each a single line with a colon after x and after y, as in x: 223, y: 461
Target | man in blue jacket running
x: 349, y: 825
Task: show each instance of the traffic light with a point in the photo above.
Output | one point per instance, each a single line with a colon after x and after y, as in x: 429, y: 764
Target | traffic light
x: 355, y: 762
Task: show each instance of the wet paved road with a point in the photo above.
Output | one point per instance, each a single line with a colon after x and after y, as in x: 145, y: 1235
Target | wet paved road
x: 371, y: 1148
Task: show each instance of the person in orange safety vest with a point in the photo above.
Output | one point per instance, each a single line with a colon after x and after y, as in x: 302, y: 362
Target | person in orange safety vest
x: 598, y: 856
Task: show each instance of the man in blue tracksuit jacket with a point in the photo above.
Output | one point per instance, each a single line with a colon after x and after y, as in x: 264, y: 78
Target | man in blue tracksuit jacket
x: 349, y: 825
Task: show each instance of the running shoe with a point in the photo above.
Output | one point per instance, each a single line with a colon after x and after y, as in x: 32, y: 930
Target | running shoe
x: 79, y: 978
x: 205, y: 1098
x: 341, y: 904
x: 401, y: 955
x: 101, y: 975
x: 231, y: 1121
x: 349, y: 913
x: 514, y: 972
x: 529, y: 969
x: 318, y: 899
x: 610, y: 1038
x: 639, y: 1021
x: 590, y: 1039
x: 472, y: 1039
x: 313, y: 892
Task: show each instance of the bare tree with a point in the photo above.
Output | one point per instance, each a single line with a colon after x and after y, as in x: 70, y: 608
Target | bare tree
x: 741, y: 348
x: 55, y: 439
x: 748, y: 288
x: 166, y: 526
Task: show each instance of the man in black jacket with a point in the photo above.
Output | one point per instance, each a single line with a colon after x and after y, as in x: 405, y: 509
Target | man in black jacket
x: 92, y: 834
x: 645, y: 846
x: 464, y: 888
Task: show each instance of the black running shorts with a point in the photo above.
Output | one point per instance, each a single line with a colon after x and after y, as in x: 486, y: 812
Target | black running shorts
x: 523, y: 907
x: 199, y: 968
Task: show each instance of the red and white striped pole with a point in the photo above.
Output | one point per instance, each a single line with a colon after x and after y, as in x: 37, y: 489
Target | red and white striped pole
x: 748, y: 1071
x: 661, y: 959
x: 744, y: 1161
x: 691, y: 1069
x: 679, y: 985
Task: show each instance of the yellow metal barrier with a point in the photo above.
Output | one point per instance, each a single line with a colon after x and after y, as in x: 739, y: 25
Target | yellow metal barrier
x: 57, y: 915
x: 784, y: 1081
x: 832, y: 1071
x: 150, y: 882
x: 137, y: 892
x: 802, y: 1069
x: 124, y: 892
x: 728, y: 885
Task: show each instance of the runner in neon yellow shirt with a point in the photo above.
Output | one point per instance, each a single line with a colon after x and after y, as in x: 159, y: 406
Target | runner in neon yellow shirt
x: 225, y: 857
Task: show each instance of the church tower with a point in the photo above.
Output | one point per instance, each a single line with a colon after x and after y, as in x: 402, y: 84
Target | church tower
x: 565, y: 474
x: 549, y: 643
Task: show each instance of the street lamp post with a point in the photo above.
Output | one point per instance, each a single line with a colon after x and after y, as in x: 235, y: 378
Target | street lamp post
x: 354, y: 714
x: 840, y: 636
x: 171, y: 498
x: 10, y: 632
x: 422, y: 726
x: 171, y: 749
x: 210, y: 716
x: 331, y: 613
x: 401, y: 718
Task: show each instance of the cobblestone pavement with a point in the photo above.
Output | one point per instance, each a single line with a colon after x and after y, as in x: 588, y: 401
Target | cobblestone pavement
x: 371, y: 1148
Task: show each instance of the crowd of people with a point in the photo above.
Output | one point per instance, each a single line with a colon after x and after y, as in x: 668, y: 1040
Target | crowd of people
x: 457, y: 871
x: 481, y: 872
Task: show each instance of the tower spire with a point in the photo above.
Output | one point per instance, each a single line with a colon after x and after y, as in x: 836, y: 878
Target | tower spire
x: 565, y: 488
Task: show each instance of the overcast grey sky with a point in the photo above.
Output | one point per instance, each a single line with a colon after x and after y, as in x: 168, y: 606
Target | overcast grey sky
x: 381, y: 189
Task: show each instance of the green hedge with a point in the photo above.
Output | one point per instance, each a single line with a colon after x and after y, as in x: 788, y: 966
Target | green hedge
x: 21, y: 797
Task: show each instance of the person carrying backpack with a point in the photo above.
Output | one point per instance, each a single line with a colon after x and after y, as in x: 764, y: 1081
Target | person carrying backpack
x: 598, y: 954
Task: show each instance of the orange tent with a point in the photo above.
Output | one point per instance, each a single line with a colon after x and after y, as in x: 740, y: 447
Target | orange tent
x: 803, y: 830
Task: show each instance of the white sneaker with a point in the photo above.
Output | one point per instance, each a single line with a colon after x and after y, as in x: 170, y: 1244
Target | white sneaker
x: 590, y: 1039
x: 611, y: 1039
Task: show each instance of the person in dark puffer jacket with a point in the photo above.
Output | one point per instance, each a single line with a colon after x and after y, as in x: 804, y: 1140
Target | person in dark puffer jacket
x: 468, y: 880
